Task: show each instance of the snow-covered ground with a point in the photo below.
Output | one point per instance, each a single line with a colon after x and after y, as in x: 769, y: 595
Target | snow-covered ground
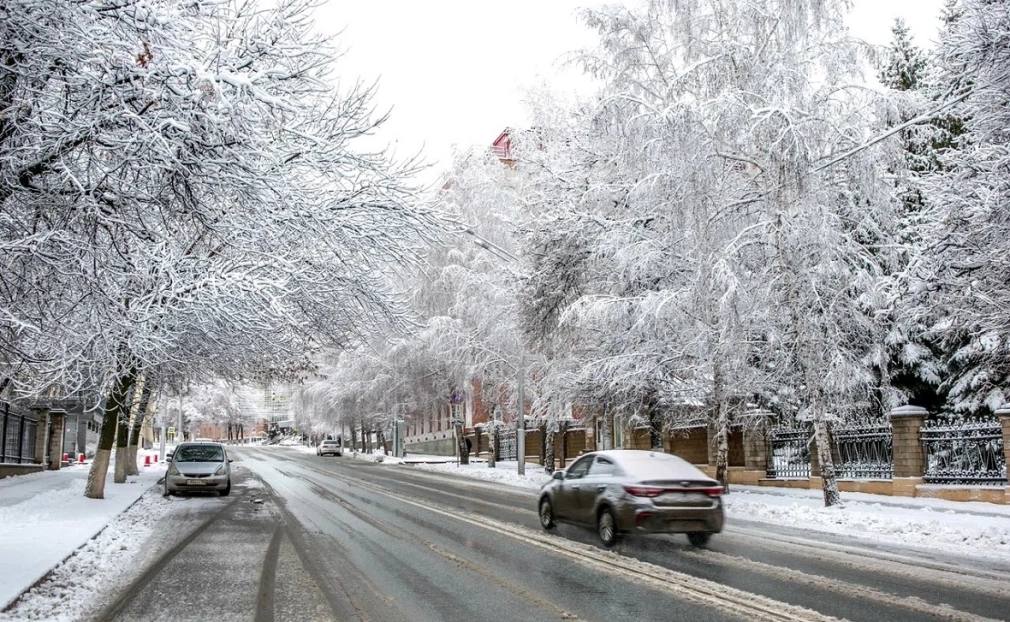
x: 983, y: 529
x: 46, y: 517
x: 505, y: 472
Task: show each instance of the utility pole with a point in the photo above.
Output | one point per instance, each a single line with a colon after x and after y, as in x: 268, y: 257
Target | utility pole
x: 179, y: 434
x: 161, y: 419
x: 521, y: 421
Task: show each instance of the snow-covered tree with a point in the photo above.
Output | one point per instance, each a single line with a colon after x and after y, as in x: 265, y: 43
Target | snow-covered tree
x: 965, y: 268
x: 183, y: 191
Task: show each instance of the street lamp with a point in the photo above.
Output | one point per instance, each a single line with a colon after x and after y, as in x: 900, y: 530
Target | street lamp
x: 501, y: 253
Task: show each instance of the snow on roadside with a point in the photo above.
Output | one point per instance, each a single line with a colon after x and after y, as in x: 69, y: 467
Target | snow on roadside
x: 47, y: 517
x: 947, y: 527
x: 505, y: 472
x: 72, y: 589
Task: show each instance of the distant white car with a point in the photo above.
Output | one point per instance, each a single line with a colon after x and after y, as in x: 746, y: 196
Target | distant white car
x: 204, y: 440
x: 329, y: 448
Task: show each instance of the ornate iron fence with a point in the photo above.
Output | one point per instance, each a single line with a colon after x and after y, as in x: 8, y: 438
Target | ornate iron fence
x: 864, y: 451
x: 507, y: 445
x: 966, y: 451
x: 17, y: 436
x: 788, y: 453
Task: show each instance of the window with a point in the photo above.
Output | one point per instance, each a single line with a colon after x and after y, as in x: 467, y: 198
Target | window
x: 603, y: 467
x: 200, y: 453
x: 580, y: 467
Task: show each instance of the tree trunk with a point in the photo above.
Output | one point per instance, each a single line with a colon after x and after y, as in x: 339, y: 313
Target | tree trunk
x: 381, y: 439
x: 138, y: 425
x: 606, y: 438
x: 829, y: 483
x: 123, y: 439
x: 354, y: 437
x: 495, y: 439
x: 364, y: 437
x: 549, y: 450
x: 115, y: 403
x: 721, y: 428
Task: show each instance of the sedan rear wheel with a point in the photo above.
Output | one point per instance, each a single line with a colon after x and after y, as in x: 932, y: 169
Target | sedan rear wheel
x: 698, y: 538
x: 606, y: 527
x: 546, y: 514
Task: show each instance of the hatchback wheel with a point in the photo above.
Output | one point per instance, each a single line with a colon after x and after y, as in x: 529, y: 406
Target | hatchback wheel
x: 698, y: 538
x: 606, y: 527
x: 226, y: 491
x: 546, y: 514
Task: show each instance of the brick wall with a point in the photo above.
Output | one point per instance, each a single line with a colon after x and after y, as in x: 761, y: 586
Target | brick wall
x: 691, y: 445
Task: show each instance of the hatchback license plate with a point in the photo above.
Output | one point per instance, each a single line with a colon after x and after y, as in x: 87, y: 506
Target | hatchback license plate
x: 195, y: 482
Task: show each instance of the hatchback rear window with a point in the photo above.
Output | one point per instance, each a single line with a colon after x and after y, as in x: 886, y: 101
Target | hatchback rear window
x: 199, y: 453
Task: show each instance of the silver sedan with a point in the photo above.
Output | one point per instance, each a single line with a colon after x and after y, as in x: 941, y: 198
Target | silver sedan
x: 199, y: 467
x: 629, y: 491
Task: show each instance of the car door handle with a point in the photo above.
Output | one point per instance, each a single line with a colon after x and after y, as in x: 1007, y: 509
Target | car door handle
x: 575, y: 486
x: 600, y: 488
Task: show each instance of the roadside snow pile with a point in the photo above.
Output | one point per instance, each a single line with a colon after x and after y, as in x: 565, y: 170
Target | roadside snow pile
x: 505, y: 472
x: 71, y: 590
x: 375, y: 456
x: 949, y: 527
x: 45, y: 518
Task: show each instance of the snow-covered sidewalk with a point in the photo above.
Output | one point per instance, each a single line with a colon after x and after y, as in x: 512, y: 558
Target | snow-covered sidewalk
x: 46, y: 517
x: 979, y: 529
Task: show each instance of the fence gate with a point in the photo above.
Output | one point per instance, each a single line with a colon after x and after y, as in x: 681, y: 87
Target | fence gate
x: 967, y: 451
x: 507, y: 448
x: 788, y: 452
x: 864, y: 451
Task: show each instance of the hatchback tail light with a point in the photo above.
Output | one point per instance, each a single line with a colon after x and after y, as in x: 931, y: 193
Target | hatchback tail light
x: 643, y: 491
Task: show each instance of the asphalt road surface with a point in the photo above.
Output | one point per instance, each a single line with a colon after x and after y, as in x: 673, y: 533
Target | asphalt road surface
x: 309, y: 538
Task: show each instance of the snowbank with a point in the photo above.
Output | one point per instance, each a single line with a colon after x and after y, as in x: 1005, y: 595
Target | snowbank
x: 959, y: 528
x: 505, y: 472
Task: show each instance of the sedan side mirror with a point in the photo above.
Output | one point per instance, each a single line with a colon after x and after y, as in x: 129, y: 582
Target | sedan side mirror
x: 559, y: 475
x: 230, y: 460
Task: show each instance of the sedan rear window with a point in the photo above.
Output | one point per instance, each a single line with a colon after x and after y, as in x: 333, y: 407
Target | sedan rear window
x: 199, y: 453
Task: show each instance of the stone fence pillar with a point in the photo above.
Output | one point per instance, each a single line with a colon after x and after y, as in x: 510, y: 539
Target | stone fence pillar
x: 1004, y: 420
x: 907, y: 454
x: 755, y: 448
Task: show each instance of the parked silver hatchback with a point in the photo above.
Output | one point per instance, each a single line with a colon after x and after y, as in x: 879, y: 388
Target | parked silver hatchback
x: 199, y: 467
x: 627, y: 491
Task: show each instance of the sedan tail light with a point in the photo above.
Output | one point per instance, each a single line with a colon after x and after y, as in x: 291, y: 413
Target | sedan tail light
x: 643, y: 491
x: 714, y: 491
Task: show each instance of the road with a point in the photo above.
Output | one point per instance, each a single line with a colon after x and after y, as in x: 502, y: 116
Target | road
x: 309, y: 538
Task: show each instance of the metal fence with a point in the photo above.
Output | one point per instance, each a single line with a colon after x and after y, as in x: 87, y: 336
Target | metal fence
x: 788, y: 452
x: 507, y: 449
x: 966, y: 451
x: 17, y: 432
x: 863, y: 451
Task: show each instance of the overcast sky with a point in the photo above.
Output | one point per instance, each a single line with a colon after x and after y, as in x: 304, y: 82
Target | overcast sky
x: 456, y: 72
